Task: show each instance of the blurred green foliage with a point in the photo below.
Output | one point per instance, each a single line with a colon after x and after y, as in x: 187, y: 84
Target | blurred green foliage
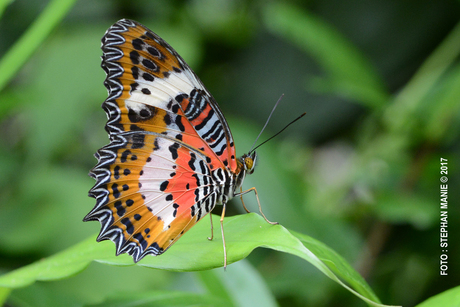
x: 379, y: 80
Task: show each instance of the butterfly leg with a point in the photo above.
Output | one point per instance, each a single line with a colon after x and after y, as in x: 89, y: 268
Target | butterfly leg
x: 212, y: 229
x: 223, y: 237
x: 242, y: 201
x: 258, y: 202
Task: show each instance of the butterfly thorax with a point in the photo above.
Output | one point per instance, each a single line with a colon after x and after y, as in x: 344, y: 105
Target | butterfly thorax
x: 228, y: 183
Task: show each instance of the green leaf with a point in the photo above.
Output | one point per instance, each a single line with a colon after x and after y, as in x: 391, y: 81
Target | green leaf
x: 349, y: 72
x: 194, y: 252
x: 424, y: 81
x: 4, y: 293
x: 3, y: 5
x: 335, y: 263
x: 407, y: 208
x: 241, y: 284
x: 163, y: 298
x: 32, y: 38
x: 446, y: 108
x: 449, y: 298
x: 214, y: 284
x: 58, y: 266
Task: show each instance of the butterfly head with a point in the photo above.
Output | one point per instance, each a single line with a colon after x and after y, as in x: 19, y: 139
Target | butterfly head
x: 246, y: 165
x: 249, y: 162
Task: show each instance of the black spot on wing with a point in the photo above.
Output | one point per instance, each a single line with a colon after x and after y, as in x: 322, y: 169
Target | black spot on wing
x: 137, y: 43
x: 150, y: 35
x: 124, y: 155
x: 164, y: 185
x: 115, y: 191
x: 173, y: 149
x: 147, y: 112
x: 175, y: 206
x: 129, y: 225
x: 135, y: 72
x: 120, y: 208
x: 154, y: 51
x: 133, y: 87
x: 149, y: 64
x: 140, y: 238
x: 134, y: 56
x: 116, y: 172
x: 148, y: 77
x: 179, y: 123
x: 167, y: 119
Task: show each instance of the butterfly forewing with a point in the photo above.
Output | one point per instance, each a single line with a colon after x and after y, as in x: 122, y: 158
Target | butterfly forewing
x: 148, y: 72
x: 153, y: 181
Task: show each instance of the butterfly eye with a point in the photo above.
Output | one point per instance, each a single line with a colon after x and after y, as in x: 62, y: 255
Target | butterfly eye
x: 249, y: 163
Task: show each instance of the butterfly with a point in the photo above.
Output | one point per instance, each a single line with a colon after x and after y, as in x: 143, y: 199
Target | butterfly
x: 171, y: 157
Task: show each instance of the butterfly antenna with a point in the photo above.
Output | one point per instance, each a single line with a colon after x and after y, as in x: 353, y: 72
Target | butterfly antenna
x: 266, y: 123
x: 278, y: 131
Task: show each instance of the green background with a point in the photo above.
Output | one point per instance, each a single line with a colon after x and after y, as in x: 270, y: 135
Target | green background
x: 379, y: 80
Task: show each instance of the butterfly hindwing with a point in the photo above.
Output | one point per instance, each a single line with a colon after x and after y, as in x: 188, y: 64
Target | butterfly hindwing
x: 153, y: 181
x: 154, y: 193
